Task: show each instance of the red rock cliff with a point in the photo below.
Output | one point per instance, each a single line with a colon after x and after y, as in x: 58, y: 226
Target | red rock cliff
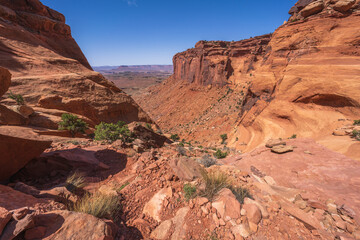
x: 50, y: 70
x: 300, y: 80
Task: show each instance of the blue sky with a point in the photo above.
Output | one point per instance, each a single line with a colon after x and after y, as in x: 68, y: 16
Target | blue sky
x: 130, y: 32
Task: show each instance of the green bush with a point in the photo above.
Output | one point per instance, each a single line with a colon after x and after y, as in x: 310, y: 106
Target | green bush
x: 357, y: 122
x: 111, y: 132
x: 189, y: 191
x: 293, y: 136
x: 148, y: 126
x: 72, y: 123
x: 224, y: 137
x: 17, y: 97
x: 356, y: 134
x: 175, y: 137
x: 219, y: 154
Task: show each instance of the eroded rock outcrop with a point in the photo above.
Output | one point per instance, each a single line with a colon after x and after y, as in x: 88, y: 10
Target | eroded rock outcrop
x: 303, y: 79
x: 50, y: 70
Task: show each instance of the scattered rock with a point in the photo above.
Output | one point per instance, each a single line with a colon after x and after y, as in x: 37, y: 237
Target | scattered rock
x: 5, y: 217
x: 178, y: 221
x: 240, y: 231
x: 275, y: 142
x: 18, y: 146
x: 282, y: 149
x: 14, y: 228
x: 344, y: 5
x: 20, y: 213
x: 227, y: 205
x: 186, y: 168
x: 5, y: 80
x: 154, y: 207
x: 269, y: 180
x: 312, y: 8
x: 162, y: 231
x: 253, y: 213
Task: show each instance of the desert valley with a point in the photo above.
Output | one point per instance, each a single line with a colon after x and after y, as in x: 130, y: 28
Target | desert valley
x: 250, y: 139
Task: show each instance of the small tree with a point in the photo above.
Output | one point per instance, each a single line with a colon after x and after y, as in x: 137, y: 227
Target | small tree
x: 17, y: 97
x: 111, y: 132
x: 72, y: 123
x: 175, y: 137
x: 357, y: 122
x: 219, y: 154
x: 224, y: 137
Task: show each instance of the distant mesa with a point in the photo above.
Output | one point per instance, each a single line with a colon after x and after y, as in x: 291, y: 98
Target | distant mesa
x: 135, y: 68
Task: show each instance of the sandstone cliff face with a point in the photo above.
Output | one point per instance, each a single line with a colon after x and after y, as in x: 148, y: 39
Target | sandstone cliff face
x: 217, y: 62
x: 50, y: 70
x: 300, y: 80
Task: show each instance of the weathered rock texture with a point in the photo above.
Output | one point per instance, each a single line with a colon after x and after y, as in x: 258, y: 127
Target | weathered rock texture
x: 300, y: 80
x: 49, y: 68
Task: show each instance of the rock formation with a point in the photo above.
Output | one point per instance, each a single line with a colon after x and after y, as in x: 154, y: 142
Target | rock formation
x: 50, y: 70
x: 302, y: 79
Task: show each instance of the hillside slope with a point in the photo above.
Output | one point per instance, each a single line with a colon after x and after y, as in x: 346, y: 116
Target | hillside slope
x: 49, y: 69
x: 303, y: 79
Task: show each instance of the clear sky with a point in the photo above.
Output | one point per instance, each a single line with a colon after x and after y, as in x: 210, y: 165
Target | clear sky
x: 130, y: 32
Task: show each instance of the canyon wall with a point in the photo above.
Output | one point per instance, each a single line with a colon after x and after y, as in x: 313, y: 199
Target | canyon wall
x: 303, y: 79
x: 49, y: 69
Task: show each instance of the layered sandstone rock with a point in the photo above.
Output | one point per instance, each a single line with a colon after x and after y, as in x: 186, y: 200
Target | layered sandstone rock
x: 303, y: 79
x: 18, y: 146
x: 50, y: 70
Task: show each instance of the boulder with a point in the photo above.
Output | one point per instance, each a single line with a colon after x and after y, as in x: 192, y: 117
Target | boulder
x: 23, y: 110
x: 73, y: 225
x: 14, y: 228
x: 253, y: 213
x: 10, y: 117
x: 344, y: 5
x: 282, y: 149
x: 18, y: 146
x: 227, y: 205
x: 275, y: 142
x: 153, y: 208
x: 5, y: 80
x: 240, y: 231
x: 35, y: 233
x: 162, y: 231
x: 180, y: 226
x: 185, y: 168
x: 312, y: 8
x: 5, y: 217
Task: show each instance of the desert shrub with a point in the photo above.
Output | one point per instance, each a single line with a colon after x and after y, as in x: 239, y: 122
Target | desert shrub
x: 293, y: 136
x: 113, y: 131
x: 148, y: 126
x: 224, y: 137
x: 219, y: 154
x: 189, y: 191
x: 207, y: 160
x: 175, y: 137
x: 356, y: 134
x: 75, y: 181
x: 72, y: 123
x: 214, y: 182
x: 357, y: 122
x: 97, y: 204
x: 240, y: 193
x: 17, y: 97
